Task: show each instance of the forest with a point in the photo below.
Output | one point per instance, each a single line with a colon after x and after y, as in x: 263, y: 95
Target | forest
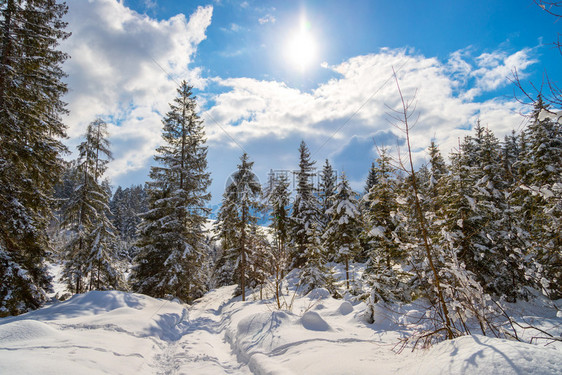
x: 465, y: 232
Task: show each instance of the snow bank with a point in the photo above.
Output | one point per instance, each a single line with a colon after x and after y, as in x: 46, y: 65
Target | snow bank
x: 25, y: 330
x: 484, y: 355
x: 328, y: 336
x: 97, y: 332
x: 124, y: 333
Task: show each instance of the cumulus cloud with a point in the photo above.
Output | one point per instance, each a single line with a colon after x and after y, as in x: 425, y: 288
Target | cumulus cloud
x: 495, y: 68
x: 352, y: 109
x: 122, y: 68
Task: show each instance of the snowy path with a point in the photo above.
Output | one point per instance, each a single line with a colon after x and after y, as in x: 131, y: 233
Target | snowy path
x: 202, y: 346
x: 120, y: 333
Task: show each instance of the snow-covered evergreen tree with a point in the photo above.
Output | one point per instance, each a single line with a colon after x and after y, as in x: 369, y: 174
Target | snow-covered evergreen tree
x: 342, y: 234
x: 126, y: 207
x: 384, y: 253
x: 478, y: 218
x: 540, y: 194
x: 90, y: 254
x: 172, y: 243
x: 314, y: 273
x: 327, y: 188
x: 277, y: 198
x: 371, y: 178
x: 236, y: 221
x: 31, y: 88
x: 305, y: 213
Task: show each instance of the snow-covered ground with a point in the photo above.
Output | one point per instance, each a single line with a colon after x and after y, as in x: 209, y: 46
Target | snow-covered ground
x: 126, y: 333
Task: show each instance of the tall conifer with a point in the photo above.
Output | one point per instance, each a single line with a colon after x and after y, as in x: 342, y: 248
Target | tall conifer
x: 172, y: 243
x: 31, y: 88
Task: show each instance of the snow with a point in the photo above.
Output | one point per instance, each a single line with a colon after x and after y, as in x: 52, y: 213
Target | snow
x: 546, y: 114
x: 123, y: 333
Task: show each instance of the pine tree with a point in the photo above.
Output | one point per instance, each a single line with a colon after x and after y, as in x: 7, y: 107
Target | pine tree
x: 90, y: 253
x: 314, y: 273
x: 540, y: 194
x: 31, y: 88
x: 278, y: 200
x: 305, y: 210
x: 126, y: 207
x: 438, y: 170
x: 477, y: 210
x: 509, y: 157
x: 327, y: 188
x: 455, y: 226
x: 364, y: 207
x: 237, y: 220
x: 172, y: 243
x: 227, y: 233
x: 371, y: 178
x: 382, y: 205
x: 382, y: 224
x: 342, y: 234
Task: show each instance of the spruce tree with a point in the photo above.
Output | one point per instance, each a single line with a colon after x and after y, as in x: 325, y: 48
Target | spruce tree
x: 31, y: 88
x: 364, y: 207
x: 126, y: 207
x: 381, y: 225
x: 237, y: 221
x: 90, y: 253
x: 540, y: 195
x: 305, y: 213
x: 278, y: 200
x: 371, y: 178
x: 314, y: 273
x: 327, y: 188
x: 172, y: 243
x: 342, y: 233
x: 477, y: 209
x: 438, y: 170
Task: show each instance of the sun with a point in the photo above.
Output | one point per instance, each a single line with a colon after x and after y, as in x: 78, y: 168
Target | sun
x: 300, y: 49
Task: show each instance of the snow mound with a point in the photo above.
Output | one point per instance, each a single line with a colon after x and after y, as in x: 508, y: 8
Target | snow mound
x: 559, y: 314
x: 319, y: 293
x: 345, y: 308
x: 259, y: 333
x: 25, y: 330
x: 477, y: 354
x: 311, y: 320
x: 91, y: 303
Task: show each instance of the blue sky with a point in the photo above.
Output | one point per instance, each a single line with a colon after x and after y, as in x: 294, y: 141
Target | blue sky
x: 269, y: 74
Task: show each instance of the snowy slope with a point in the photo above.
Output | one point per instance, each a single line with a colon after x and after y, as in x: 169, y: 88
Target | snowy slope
x: 125, y: 333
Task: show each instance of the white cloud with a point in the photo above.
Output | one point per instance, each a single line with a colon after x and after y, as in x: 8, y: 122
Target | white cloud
x: 259, y: 114
x: 120, y: 69
x: 267, y: 19
x: 495, y: 68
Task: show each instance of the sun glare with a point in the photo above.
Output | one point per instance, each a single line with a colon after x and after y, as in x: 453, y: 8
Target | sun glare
x: 301, y: 47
